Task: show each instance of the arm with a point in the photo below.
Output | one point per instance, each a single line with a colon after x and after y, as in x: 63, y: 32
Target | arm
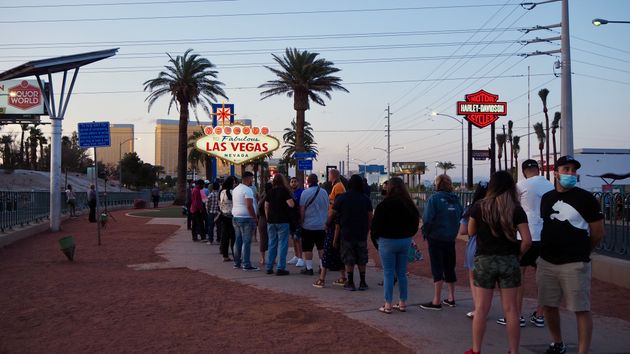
x: 291, y: 203
x: 301, y: 214
x: 597, y: 232
x: 526, y: 237
x: 267, y: 209
x: 463, y: 230
x: 472, y: 226
x: 249, y: 203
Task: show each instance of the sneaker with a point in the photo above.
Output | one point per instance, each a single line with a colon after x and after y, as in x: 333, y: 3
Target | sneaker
x: 282, y: 272
x: 306, y: 271
x: 300, y: 263
x: 470, y: 314
x: 430, y: 306
x: 538, y: 321
x: 251, y: 269
x: 269, y: 271
x: 236, y: 266
x: 293, y: 260
x: 503, y: 322
x: 556, y: 348
x: 363, y: 286
x: 448, y: 303
x: 349, y: 287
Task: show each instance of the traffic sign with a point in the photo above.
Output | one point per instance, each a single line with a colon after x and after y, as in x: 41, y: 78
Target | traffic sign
x: 304, y: 155
x: 94, y: 134
x: 305, y: 165
x: 481, y: 154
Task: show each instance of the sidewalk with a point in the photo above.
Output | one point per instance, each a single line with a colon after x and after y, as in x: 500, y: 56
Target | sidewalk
x: 446, y: 331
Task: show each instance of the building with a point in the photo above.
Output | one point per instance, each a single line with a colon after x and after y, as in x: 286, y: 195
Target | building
x: 122, y: 139
x: 166, y: 139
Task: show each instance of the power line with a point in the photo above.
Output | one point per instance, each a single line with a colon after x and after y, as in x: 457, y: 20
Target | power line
x: 250, y: 14
x: 167, y: 2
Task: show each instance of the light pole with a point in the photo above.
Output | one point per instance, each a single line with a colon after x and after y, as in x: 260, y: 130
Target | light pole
x: 461, y: 122
x: 600, y: 21
x: 120, y: 162
x: 389, y: 152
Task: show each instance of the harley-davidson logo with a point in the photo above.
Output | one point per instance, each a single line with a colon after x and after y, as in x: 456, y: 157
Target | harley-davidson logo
x: 481, y: 108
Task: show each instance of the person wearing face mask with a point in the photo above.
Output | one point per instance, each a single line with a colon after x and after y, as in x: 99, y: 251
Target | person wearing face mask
x: 572, y: 227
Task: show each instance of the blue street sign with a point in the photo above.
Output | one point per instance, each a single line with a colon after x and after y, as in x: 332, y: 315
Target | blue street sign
x: 94, y: 134
x: 305, y: 165
x: 304, y: 155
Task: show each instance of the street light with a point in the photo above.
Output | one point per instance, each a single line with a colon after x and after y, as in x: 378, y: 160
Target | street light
x: 600, y: 21
x: 461, y: 122
x: 388, y: 152
x: 120, y: 162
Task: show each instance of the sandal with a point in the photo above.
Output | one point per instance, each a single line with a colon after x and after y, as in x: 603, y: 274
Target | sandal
x: 385, y: 310
x: 319, y: 283
x: 399, y: 308
x: 340, y: 281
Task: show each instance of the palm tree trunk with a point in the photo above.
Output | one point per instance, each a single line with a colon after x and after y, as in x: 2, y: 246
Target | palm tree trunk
x: 300, y: 104
x: 182, y: 143
x: 505, y: 154
x: 499, y: 159
x: 33, y: 154
x: 542, y: 164
x: 555, y: 152
x: 547, y: 137
x: 511, y: 156
x: 208, y: 165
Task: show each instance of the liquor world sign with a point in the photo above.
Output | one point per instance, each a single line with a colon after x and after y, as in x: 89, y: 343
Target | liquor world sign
x: 237, y: 143
x: 21, y: 97
x: 481, y: 108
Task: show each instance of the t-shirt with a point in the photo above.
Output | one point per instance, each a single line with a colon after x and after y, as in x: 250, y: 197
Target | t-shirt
x: 530, y: 192
x: 395, y: 219
x: 565, y: 236
x: 336, y: 191
x: 279, y: 210
x: 70, y: 194
x: 239, y: 206
x: 297, y: 194
x: 317, y: 212
x: 353, y: 209
x: 500, y: 245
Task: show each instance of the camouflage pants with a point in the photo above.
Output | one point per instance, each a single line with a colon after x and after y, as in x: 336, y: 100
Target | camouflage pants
x: 492, y: 270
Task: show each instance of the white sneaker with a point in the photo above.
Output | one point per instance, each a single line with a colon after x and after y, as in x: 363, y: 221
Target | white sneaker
x: 293, y: 260
x: 300, y: 263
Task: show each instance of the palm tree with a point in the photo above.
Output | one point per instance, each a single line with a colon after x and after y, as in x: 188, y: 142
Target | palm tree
x: 289, y: 139
x: 42, y: 141
x: 196, y: 157
x: 516, y: 148
x: 190, y: 81
x: 305, y: 78
x: 509, y: 137
x: 500, y: 144
x: 540, y: 134
x: 543, y: 96
x: 555, y: 124
x: 34, y: 135
x: 445, y: 165
x: 7, y: 153
x: 21, y: 156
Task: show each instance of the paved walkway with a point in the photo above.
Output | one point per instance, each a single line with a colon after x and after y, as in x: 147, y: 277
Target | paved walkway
x: 446, y: 331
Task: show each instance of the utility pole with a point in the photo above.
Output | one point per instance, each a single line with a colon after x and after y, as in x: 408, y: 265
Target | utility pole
x: 389, y: 146
x: 529, y: 124
x: 348, y: 159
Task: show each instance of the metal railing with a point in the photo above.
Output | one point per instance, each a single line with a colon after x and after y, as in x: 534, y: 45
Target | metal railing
x: 24, y: 208
x: 614, y: 206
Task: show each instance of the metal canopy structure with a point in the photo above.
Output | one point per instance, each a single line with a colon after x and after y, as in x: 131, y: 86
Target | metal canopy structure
x: 48, y: 67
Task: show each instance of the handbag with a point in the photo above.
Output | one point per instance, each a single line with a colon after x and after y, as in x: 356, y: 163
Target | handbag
x: 413, y: 253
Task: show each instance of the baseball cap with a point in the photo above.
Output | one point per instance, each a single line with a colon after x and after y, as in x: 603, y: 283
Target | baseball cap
x: 529, y: 163
x: 567, y: 159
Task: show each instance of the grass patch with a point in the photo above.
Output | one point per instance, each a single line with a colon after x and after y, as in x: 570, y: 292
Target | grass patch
x: 170, y: 212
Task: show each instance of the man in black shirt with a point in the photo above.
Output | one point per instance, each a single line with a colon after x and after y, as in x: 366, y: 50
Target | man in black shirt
x: 572, y: 227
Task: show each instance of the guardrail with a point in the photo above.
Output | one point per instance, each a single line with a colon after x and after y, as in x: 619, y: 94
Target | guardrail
x: 615, y: 206
x: 24, y: 208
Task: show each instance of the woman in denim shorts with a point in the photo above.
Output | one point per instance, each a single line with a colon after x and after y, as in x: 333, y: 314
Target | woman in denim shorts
x: 495, y: 220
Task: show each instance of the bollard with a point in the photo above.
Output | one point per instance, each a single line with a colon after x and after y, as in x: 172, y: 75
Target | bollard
x: 67, y: 247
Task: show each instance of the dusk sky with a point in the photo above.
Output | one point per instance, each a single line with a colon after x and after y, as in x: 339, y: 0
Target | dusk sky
x: 416, y: 56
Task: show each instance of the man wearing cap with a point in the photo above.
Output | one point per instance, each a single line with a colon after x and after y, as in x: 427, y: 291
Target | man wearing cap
x: 572, y: 227
x: 244, y: 221
x: 530, y: 191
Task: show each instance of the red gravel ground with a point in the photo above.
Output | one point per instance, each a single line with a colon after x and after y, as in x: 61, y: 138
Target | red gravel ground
x: 99, y: 304
x: 606, y: 299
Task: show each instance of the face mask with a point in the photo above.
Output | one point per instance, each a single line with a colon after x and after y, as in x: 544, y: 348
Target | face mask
x: 568, y: 181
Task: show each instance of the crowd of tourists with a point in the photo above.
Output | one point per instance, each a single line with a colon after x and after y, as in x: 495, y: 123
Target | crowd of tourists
x: 510, y: 227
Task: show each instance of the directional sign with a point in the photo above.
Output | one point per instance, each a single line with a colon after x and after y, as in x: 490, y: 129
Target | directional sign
x: 305, y: 165
x: 304, y: 155
x: 94, y: 134
x: 481, y: 154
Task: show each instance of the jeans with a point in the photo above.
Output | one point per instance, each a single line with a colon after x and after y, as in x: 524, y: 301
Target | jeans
x: 210, y: 226
x: 393, y: 253
x: 243, y: 232
x: 278, y: 235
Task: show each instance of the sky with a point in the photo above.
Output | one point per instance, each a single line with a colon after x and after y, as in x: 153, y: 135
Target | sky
x: 414, y: 57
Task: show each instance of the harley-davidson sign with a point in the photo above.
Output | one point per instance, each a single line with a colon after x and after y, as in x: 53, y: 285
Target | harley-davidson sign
x: 237, y: 143
x: 481, y: 108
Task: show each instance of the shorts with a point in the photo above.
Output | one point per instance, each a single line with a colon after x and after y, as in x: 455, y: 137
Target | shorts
x: 443, y: 259
x: 571, y: 281
x: 530, y: 257
x: 297, y: 233
x: 492, y: 270
x: 312, y: 238
x: 471, y: 249
x: 354, y: 252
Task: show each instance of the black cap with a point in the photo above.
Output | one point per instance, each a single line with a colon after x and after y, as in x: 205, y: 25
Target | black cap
x: 565, y: 160
x: 529, y: 164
